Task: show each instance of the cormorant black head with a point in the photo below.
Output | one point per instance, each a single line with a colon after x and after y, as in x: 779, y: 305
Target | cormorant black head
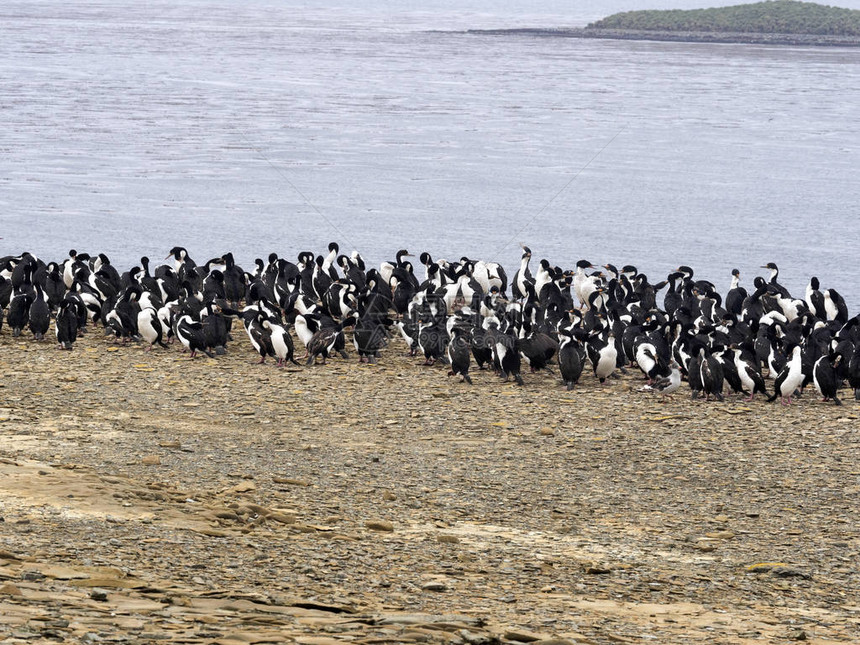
x: 834, y: 295
x: 584, y: 264
x: 736, y: 273
x: 333, y: 247
x: 273, y: 257
x: 813, y: 282
x: 133, y: 292
x: 425, y: 258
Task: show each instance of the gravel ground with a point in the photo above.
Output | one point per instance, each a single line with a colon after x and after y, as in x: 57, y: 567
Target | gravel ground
x: 146, y: 497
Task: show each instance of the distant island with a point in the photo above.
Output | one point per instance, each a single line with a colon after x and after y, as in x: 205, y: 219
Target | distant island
x: 777, y: 22
x: 777, y: 17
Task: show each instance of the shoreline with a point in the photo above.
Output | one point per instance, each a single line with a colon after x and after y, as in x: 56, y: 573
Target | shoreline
x: 794, y: 40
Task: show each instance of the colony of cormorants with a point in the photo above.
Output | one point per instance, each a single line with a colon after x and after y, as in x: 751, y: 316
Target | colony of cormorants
x: 463, y: 313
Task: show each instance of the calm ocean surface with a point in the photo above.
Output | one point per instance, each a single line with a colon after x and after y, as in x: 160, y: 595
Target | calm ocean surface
x: 131, y: 127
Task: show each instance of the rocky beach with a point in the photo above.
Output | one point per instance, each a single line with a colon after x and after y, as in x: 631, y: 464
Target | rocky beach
x: 719, y: 37
x: 149, y: 498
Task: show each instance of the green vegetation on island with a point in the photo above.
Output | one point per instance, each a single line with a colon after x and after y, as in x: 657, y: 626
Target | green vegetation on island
x: 776, y: 17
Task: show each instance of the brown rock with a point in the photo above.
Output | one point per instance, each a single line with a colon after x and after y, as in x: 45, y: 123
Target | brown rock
x: 9, y: 589
x: 290, y: 481
x: 227, y: 515
x: 210, y: 532
x: 283, y: 518
x: 379, y: 525
x: 257, y: 509
x: 434, y: 586
x: 522, y: 636
x: 705, y: 547
x: 720, y: 535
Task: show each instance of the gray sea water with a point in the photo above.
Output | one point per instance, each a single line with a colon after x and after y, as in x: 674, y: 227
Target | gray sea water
x: 131, y: 127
